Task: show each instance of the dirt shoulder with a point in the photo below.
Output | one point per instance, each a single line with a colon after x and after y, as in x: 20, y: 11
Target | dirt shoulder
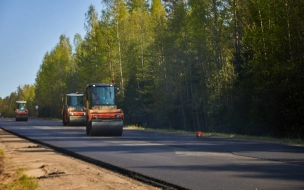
x: 55, y: 171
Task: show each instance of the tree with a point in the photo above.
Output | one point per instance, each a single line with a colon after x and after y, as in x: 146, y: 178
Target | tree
x: 51, y: 80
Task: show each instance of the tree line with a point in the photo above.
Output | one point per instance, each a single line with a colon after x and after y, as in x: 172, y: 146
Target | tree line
x: 215, y: 65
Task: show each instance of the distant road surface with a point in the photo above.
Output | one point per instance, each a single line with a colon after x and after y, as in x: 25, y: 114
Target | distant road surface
x: 194, y: 163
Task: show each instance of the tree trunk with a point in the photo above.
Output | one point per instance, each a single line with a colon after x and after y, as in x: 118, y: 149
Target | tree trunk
x: 217, y: 37
x: 120, y: 63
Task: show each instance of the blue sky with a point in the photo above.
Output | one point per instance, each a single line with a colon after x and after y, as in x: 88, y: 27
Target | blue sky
x: 29, y: 29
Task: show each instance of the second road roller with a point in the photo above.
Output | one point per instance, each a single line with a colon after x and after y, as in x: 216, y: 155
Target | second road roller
x: 102, y: 115
x: 73, y: 111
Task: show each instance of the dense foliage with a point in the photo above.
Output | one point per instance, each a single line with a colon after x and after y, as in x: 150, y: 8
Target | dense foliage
x: 213, y: 65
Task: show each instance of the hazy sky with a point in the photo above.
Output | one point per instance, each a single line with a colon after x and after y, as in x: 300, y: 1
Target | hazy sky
x: 29, y: 29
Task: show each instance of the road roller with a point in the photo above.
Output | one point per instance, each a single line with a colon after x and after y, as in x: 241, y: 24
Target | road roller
x: 73, y: 111
x: 21, y: 112
x: 103, y: 117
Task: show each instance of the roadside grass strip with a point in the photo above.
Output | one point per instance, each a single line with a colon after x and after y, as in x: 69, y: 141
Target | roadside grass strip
x: 295, y: 141
x: 20, y: 181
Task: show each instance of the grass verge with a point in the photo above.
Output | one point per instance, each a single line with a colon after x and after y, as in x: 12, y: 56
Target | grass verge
x: 20, y: 181
x: 297, y: 141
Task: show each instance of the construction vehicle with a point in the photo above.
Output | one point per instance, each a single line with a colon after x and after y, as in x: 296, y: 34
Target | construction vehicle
x: 21, y: 112
x: 103, y: 116
x: 73, y: 111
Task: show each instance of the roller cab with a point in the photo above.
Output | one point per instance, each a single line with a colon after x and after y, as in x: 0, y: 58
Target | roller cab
x: 103, y: 116
x: 21, y: 112
x: 73, y: 111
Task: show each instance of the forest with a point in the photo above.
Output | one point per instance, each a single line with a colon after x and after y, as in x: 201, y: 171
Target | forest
x: 228, y: 66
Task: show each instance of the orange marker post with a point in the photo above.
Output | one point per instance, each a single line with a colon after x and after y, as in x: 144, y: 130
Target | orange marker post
x: 199, y: 134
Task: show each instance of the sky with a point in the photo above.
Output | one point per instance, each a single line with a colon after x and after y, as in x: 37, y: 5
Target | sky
x: 31, y: 28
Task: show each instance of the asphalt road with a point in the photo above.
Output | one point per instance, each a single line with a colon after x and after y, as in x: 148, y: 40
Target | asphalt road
x: 194, y: 163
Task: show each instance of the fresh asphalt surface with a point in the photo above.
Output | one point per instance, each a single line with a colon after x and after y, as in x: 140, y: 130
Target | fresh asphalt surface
x: 194, y: 163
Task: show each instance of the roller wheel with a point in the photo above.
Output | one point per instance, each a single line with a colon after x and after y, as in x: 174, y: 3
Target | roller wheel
x: 87, y: 128
x: 119, y: 133
x: 69, y: 123
x: 90, y: 129
x: 63, y: 122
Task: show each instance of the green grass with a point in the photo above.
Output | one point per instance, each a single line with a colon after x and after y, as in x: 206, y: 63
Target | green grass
x: 297, y: 141
x: 23, y: 182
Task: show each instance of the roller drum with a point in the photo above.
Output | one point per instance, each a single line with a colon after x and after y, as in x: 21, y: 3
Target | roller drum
x: 106, y: 128
x: 21, y: 118
x: 76, y: 120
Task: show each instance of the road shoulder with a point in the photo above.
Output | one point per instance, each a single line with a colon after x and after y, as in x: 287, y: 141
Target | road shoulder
x: 55, y: 171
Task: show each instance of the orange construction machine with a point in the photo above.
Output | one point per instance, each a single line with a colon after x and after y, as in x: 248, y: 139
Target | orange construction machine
x: 73, y: 111
x: 103, y: 116
x: 21, y: 113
